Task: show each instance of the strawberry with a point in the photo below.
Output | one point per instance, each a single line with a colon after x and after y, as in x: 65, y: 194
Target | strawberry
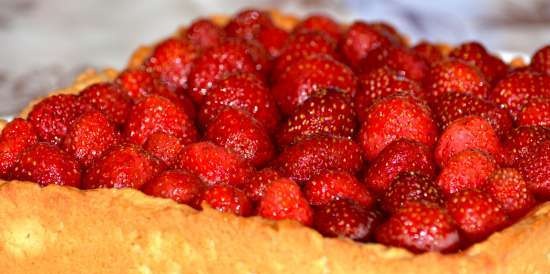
x: 172, y: 60
x: 467, y: 132
x: 507, y: 187
x: 467, y: 169
x: 123, y: 166
x: 273, y: 39
x: 158, y: 114
x: 333, y: 185
x: 523, y: 141
x: 247, y: 23
x: 359, y: 40
x: 408, y: 187
x: 308, y: 76
x: 164, y: 146
x: 46, y: 164
x: 419, y: 227
x: 430, y: 52
x: 541, y: 60
x: 450, y: 106
x: 243, y: 91
x: 107, y: 98
x: 476, y: 214
x: 227, y: 198
x: 239, y: 132
x: 535, y: 113
x: 283, y: 199
x: 390, y: 32
x: 328, y: 112
x: 310, y: 157
x: 214, y: 164
x: 476, y: 55
x: 402, y: 155
x: 456, y: 76
x: 394, y: 117
x: 89, y: 137
x: 204, y: 34
x: 259, y: 55
x: 178, y: 185
x: 52, y: 117
x: 346, y: 218
x: 536, y: 170
x: 322, y: 23
x: 16, y: 136
x: 258, y: 182
x: 403, y: 60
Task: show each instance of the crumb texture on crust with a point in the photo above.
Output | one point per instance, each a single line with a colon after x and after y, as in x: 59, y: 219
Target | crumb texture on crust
x: 65, y: 230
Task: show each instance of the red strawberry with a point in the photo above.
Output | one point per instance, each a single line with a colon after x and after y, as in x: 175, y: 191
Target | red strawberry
x: 310, y: 157
x: 523, y: 141
x: 283, y: 199
x: 430, y: 52
x: 390, y: 32
x: 172, y: 59
x: 309, y: 75
x: 476, y: 214
x: 408, y: 187
x: 107, y: 98
x: 258, y: 182
x: 456, y: 76
x: 419, y: 227
x: 450, y: 106
x: 328, y: 112
x: 464, y: 133
x: 467, y: 169
x: 536, y: 170
x: 228, y: 199
x: 359, y: 40
x: 16, y: 136
x: 507, y: 187
x: 136, y: 83
x: 158, y: 114
x: 239, y: 132
x: 535, y: 113
x: 273, y: 40
x: 394, y: 117
x: 89, y: 137
x: 333, y: 185
x: 243, y: 91
x: 259, y: 55
x: 403, y: 60
x: 122, y: 166
x: 402, y: 155
x: 247, y: 23
x: 346, y: 218
x: 178, y: 185
x: 46, y: 164
x: 541, y: 60
x: 214, y: 164
x: 320, y: 22
x: 475, y: 54
x: 204, y: 34
x: 164, y: 146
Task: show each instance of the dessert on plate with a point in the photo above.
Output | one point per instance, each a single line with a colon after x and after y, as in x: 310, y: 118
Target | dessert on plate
x: 266, y: 143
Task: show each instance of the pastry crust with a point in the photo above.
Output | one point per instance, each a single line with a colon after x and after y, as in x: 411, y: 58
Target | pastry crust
x: 65, y: 230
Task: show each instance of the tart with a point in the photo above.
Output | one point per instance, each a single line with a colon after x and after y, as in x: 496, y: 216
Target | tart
x: 81, y: 166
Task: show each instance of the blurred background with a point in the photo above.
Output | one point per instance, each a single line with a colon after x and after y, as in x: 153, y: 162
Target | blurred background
x: 45, y: 43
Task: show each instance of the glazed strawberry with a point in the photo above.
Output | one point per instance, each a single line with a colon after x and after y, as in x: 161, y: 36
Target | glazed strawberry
x: 535, y: 113
x: 476, y: 214
x: 475, y: 54
x: 16, y: 136
x: 456, y: 76
x: 247, y: 23
x: 308, y: 76
x: 256, y: 185
x: 507, y: 187
x: 172, y: 60
x: 320, y: 22
x: 259, y: 55
x: 227, y: 198
x: 46, y: 164
x: 332, y: 185
x: 464, y: 133
x: 467, y: 169
x: 89, y: 137
x: 283, y: 199
x: 359, y: 39
x: 310, y: 157
x: 123, y: 166
x: 403, y: 60
x: 402, y: 155
x: 541, y: 60
x: 107, y: 98
x: 523, y: 141
x: 408, y: 187
x: 158, y: 114
x: 243, y: 91
x: 390, y: 32
x: 450, y: 106
x: 328, y: 112
x: 394, y: 117
x: 536, y: 170
x: 346, y: 218
x: 52, y: 117
x: 204, y: 34
x: 214, y: 164
x: 273, y: 39
x: 239, y: 132
x: 430, y: 52
x: 164, y: 146
x: 178, y: 185
x: 419, y: 227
